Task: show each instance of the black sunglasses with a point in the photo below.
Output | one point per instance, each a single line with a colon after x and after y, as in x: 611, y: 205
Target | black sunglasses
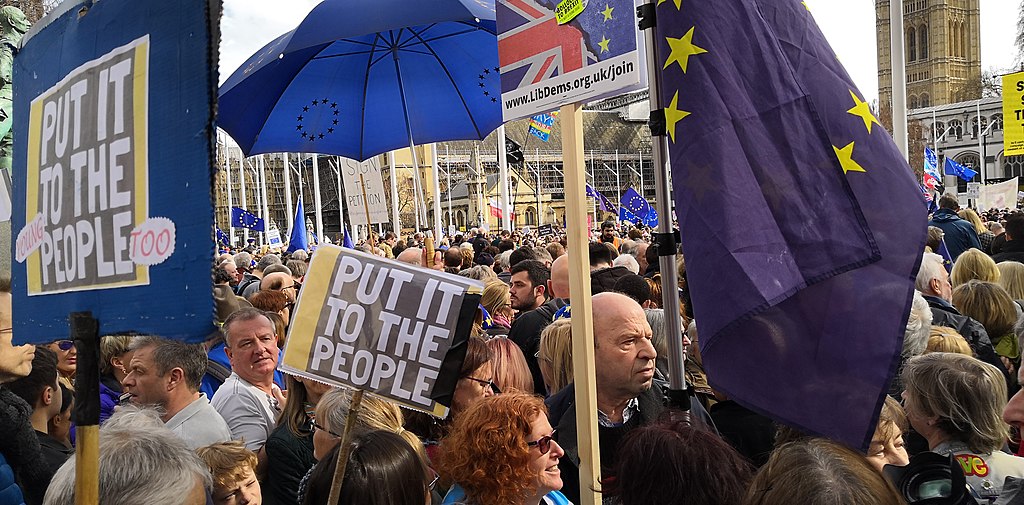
x: 488, y: 384
x: 543, y: 443
x: 65, y: 345
x: 321, y: 428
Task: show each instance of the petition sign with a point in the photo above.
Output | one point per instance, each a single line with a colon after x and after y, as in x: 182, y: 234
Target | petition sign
x: 387, y: 328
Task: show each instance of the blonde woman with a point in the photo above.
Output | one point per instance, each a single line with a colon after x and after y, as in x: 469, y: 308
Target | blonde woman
x: 973, y: 264
x: 495, y: 299
x: 1011, y: 278
x: 991, y: 306
x: 944, y: 339
x: 984, y: 235
x: 555, y: 355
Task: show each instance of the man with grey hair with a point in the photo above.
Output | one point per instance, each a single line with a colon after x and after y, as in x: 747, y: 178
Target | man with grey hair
x: 167, y: 374
x: 630, y: 247
x: 915, y: 338
x: 251, y: 288
x: 628, y: 261
x: 933, y: 283
x: 140, y: 462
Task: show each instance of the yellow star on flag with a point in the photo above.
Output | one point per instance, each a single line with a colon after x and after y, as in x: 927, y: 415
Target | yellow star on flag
x: 679, y: 3
x: 673, y: 115
x: 862, y: 110
x: 604, y: 44
x: 682, y: 49
x: 607, y: 12
x: 808, y: 7
x: 845, y: 156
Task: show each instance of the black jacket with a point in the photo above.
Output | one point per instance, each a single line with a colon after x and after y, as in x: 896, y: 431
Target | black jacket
x: 289, y: 457
x: 562, y: 415
x: 525, y: 332
x: 1012, y: 251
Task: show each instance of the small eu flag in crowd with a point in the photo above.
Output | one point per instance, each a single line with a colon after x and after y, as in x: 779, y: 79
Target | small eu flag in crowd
x: 954, y: 168
x: 241, y: 218
x: 222, y: 238
x: 636, y: 209
x: 605, y: 204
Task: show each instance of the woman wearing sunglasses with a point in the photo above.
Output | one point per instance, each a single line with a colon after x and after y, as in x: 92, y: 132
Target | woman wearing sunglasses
x: 67, y: 361
x: 501, y: 452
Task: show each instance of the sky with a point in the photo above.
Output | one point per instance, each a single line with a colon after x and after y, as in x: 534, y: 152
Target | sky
x: 849, y: 25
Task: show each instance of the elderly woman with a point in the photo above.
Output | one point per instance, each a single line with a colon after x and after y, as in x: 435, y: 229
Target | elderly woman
x: 503, y: 454
x: 956, y: 402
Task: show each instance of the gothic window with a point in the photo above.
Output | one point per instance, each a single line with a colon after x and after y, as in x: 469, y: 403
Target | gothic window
x: 940, y: 128
x: 998, y: 122
x: 975, y: 131
x: 922, y: 37
x: 970, y: 160
x: 913, y: 102
x: 1014, y: 166
x: 963, y: 47
x: 911, y: 45
x: 925, y: 100
x: 957, y: 129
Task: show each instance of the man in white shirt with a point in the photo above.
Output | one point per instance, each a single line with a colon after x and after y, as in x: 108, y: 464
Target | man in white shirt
x: 248, y: 400
x: 168, y: 373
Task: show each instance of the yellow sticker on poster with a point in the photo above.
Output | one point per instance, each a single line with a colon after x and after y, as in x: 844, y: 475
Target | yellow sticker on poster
x: 566, y: 10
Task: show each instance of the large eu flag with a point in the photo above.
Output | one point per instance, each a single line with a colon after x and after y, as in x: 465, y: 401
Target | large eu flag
x: 802, y: 223
x: 241, y: 218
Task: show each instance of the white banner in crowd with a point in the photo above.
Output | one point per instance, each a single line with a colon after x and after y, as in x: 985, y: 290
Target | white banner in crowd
x: 371, y: 177
x: 998, y: 196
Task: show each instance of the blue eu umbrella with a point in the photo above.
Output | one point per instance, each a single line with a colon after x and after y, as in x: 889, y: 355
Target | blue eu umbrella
x: 358, y: 78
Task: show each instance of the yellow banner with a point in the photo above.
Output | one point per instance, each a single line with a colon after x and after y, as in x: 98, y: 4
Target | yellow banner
x: 566, y: 10
x: 1013, y: 114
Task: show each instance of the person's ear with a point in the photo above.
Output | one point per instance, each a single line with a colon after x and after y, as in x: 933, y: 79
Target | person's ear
x: 47, y: 396
x: 935, y: 285
x: 175, y: 378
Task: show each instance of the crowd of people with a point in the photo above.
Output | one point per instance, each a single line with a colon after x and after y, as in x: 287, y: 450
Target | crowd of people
x: 218, y: 423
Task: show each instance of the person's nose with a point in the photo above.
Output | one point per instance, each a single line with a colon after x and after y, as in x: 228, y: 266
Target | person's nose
x: 556, y: 450
x: 647, y: 350
x: 1013, y: 413
x: 686, y: 340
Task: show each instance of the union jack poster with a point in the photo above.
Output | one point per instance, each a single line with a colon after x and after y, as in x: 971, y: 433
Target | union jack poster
x: 545, y: 65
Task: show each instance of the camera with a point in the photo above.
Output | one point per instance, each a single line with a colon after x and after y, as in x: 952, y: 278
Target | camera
x: 931, y: 479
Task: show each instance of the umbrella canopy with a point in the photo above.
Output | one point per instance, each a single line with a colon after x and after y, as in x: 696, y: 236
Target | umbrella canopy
x: 359, y: 78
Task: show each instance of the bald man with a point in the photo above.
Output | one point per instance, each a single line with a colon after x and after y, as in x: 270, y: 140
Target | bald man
x: 417, y: 256
x: 280, y: 281
x: 627, y: 397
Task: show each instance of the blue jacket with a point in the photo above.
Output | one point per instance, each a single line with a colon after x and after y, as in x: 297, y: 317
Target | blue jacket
x: 960, y: 235
x: 10, y: 493
x: 457, y: 496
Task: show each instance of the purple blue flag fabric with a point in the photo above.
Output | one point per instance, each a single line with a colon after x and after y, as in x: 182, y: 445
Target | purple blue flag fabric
x: 222, y: 238
x: 786, y: 187
x: 954, y: 168
x: 603, y: 201
x: 298, y: 240
x: 346, y: 241
x: 947, y: 259
x: 241, y: 218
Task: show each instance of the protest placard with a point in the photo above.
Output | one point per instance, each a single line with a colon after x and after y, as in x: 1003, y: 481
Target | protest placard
x: 554, y: 53
x: 384, y: 327
x: 356, y: 175
x: 1013, y: 113
x: 112, y: 202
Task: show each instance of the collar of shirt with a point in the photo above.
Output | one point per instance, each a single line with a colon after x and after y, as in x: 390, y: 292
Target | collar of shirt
x: 632, y: 407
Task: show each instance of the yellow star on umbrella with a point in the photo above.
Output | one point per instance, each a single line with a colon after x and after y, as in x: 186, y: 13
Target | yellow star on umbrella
x: 862, y: 110
x: 673, y: 115
x: 845, y: 156
x: 607, y: 12
x: 682, y: 49
x: 604, y: 44
x: 679, y: 3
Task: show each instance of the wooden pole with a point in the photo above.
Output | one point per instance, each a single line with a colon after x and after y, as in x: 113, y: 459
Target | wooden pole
x: 85, y: 332
x: 582, y: 310
x: 346, y: 445
x: 366, y: 207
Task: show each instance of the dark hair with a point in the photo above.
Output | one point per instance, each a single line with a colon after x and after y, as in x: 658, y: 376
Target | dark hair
x: 168, y: 354
x: 382, y: 469
x: 66, y: 398
x: 43, y: 374
x: 633, y: 286
x: 1015, y: 228
x: 949, y: 201
x: 453, y: 257
x: 399, y: 246
x: 477, y: 353
x: 600, y: 254
x: 221, y: 275
x: 506, y: 245
x: 522, y: 254
x: 607, y: 224
x: 535, y: 270
x: 651, y: 254
x: 298, y: 267
x: 673, y: 462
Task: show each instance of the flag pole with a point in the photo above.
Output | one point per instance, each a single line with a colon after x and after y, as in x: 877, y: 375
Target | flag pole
x: 287, y: 189
x: 436, y: 193
x: 396, y: 221
x: 899, y: 78
x: 578, y: 236
x: 316, y: 200
x: 266, y: 205
x: 244, y: 204
x: 505, y: 221
x: 227, y: 170
x: 666, y: 236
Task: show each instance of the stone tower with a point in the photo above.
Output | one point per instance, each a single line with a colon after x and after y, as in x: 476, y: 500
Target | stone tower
x: 941, y: 39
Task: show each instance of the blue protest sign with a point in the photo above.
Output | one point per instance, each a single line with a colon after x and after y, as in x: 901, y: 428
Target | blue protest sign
x: 112, y: 204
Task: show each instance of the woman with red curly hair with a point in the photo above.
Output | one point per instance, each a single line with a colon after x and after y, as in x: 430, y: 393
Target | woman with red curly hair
x: 500, y: 452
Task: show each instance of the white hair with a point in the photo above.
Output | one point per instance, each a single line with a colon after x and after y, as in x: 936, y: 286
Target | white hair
x: 919, y: 324
x: 628, y: 261
x: 503, y: 260
x: 141, y: 461
x: 931, y: 268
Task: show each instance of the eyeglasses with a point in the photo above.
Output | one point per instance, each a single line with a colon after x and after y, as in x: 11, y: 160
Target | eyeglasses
x: 65, y: 345
x: 433, y: 482
x: 321, y: 428
x: 543, y: 443
x: 488, y: 384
